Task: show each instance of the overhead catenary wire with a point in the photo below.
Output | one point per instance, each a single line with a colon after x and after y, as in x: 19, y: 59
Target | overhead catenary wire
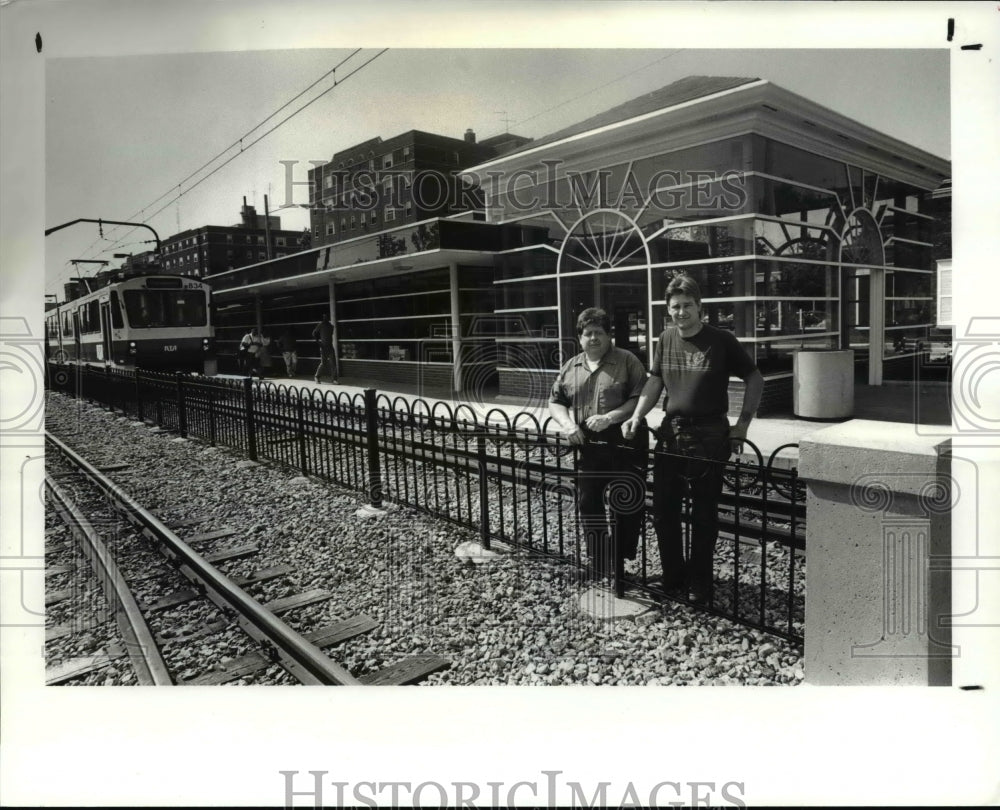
x: 243, y: 147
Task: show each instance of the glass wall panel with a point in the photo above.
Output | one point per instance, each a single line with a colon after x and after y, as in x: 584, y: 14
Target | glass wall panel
x: 403, y: 329
x: 687, y: 242
x: 905, y: 311
x: 674, y: 184
x: 904, y: 341
x: 795, y: 239
x: 795, y: 279
x: 798, y: 317
x: 715, y: 280
x: 527, y: 294
x: 780, y: 199
x: 526, y: 263
x: 782, y: 160
x: 900, y: 284
x: 414, y: 304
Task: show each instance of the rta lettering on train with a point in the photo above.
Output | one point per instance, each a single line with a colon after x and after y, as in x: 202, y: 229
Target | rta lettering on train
x: 313, y: 789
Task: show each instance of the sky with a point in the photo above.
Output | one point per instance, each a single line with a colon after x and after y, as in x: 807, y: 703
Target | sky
x: 125, y: 136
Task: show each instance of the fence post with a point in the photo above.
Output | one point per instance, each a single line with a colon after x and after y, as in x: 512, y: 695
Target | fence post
x: 250, y: 421
x: 211, y: 417
x: 121, y: 391
x: 374, y: 464
x: 181, y: 405
x: 484, y: 493
x: 300, y: 418
x: 108, y: 400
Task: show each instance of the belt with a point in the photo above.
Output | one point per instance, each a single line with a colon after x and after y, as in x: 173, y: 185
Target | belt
x: 697, y: 420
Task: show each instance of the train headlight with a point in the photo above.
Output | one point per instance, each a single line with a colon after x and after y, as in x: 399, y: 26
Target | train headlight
x: 131, y: 347
x: 205, y: 344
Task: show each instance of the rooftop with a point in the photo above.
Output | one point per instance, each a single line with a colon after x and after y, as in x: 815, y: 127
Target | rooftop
x: 686, y: 89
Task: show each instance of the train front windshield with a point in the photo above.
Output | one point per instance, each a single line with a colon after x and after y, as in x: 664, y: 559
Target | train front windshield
x: 154, y: 309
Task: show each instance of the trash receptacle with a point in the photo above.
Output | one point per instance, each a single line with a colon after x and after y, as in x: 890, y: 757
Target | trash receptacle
x: 823, y: 383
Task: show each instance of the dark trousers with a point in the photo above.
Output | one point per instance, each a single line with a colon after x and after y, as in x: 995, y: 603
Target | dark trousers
x: 608, y: 467
x: 327, y: 359
x: 690, y: 459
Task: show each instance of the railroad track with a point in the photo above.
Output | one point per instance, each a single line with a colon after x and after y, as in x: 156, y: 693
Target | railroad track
x: 270, y: 641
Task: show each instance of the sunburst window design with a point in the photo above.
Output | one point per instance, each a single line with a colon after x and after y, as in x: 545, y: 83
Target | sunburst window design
x: 603, y: 240
x: 861, y: 240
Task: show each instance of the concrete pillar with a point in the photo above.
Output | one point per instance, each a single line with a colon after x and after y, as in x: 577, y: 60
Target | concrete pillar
x: 456, y: 329
x: 878, y: 555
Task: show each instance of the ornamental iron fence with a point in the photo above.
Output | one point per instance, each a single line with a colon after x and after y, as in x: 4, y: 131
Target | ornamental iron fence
x: 513, y: 481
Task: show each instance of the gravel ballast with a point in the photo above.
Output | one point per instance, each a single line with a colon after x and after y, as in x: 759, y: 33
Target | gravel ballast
x: 514, y: 619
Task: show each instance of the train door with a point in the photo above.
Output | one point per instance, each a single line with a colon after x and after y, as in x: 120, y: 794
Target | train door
x: 104, y: 352
x: 77, y: 343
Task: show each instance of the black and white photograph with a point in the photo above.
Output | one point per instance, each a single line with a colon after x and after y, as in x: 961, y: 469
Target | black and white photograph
x: 562, y: 370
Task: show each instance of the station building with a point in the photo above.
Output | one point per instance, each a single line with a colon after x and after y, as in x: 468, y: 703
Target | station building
x: 805, y: 230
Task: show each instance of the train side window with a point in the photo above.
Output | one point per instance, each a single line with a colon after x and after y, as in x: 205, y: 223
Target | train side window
x: 116, y: 311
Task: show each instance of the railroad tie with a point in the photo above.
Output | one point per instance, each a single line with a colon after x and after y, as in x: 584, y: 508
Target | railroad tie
x: 252, y: 663
x: 411, y: 669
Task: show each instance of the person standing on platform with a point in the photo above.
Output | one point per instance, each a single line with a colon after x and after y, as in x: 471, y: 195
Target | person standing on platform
x: 323, y: 333
x: 249, y: 349
x: 289, y: 347
x: 594, y: 393
x: 693, y: 361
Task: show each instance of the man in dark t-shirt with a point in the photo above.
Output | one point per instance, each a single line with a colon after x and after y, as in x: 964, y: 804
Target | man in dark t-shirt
x: 693, y: 362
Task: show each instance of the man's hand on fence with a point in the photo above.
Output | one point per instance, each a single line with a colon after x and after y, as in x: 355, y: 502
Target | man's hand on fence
x: 572, y: 434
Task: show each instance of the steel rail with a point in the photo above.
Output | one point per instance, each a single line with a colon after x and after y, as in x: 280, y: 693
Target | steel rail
x: 303, y: 659
x: 143, y: 651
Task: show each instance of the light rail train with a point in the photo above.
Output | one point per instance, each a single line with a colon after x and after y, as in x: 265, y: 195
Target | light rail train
x: 156, y: 322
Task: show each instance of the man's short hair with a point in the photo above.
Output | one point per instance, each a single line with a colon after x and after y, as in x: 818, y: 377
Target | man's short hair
x: 593, y: 316
x: 683, y: 285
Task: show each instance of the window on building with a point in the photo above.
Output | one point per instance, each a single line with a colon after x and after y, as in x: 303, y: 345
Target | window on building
x: 261, y: 255
x: 229, y: 238
x: 281, y: 241
x: 407, y: 208
x: 352, y: 222
x: 374, y: 217
x: 330, y: 230
x: 249, y: 239
x: 406, y: 153
x: 329, y: 181
x: 390, y: 214
x: 387, y: 161
x: 343, y: 223
x: 281, y: 255
x: 260, y: 240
